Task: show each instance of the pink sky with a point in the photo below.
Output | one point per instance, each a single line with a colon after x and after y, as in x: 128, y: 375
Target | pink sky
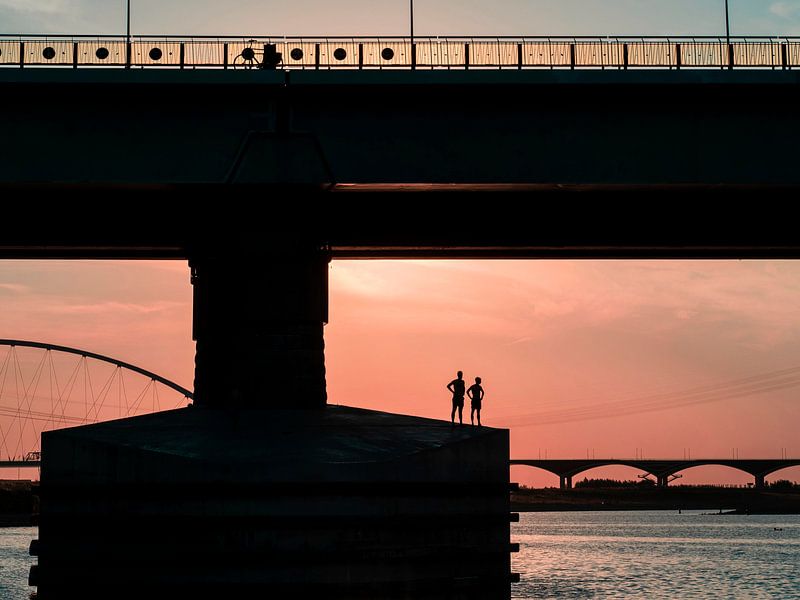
x: 546, y: 337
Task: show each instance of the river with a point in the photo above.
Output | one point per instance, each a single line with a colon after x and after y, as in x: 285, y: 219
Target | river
x: 657, y: 554
x: 579, y: 555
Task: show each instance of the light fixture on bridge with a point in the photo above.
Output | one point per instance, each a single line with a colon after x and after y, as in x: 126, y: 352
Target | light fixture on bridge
x: 727, y: 24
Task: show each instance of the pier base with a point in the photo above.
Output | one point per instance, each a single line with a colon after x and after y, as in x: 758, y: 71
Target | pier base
x: 340, y: 502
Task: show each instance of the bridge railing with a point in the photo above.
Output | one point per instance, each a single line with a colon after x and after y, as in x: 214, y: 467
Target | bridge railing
x: 400, y: 53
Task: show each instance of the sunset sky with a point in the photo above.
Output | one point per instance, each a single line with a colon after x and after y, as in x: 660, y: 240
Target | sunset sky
x: 597, y: 356
x: 390, y: 17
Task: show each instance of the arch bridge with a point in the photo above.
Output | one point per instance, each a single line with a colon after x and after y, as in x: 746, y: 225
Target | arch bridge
x: 39, y: 393
x: 661, y: 469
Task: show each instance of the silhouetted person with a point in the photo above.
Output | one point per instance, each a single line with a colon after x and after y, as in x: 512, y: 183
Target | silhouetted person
x: 475, y: 393
x: 457, y: 388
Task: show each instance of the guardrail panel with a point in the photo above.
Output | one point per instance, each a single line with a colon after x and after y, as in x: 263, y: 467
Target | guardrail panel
x: 48, y: 52
x: 704, y: 54
x: 204, y: 54
x: 757, y: 54
x: 155, y: 53
x: 101, y: 52
x: 339, y: 54
x: 545, y: 54
x: 9, y: 52
x: 391, y: 53
x: 651, y: 54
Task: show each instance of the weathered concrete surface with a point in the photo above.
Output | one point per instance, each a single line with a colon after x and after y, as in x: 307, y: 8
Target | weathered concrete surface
x: 342, y: 502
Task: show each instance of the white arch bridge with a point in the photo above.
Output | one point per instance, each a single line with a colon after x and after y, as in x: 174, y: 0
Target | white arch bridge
x: 47, y: 386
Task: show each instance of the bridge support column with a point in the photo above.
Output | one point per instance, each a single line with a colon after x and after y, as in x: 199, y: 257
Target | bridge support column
x: 760, y: 484
x: 566, y: 482
x: 662, y: 480
x: 259, y: 313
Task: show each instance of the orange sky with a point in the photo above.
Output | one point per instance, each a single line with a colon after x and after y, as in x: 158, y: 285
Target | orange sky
x: 547, y: 337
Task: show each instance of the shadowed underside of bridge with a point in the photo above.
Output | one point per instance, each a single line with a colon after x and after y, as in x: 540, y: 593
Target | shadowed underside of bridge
x: 662, y: 470
x: 586, y: 129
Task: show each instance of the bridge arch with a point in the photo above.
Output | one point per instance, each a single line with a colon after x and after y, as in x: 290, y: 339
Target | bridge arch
x: 100, y: 357
x: 781, y: 468
x: 537, y: 472
x: 50, y: 386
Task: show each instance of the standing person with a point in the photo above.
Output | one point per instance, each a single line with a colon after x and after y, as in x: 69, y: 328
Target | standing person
x: 457, y: 388
x: 475, y: 393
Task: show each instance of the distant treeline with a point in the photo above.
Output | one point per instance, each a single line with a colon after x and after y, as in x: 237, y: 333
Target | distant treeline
x: 780, y: 484
x: 613, y: 483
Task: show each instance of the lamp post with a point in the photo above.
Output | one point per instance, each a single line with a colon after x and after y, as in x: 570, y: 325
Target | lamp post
x: 727, y: 24
x: 411, y: 14
x: 128, y: 22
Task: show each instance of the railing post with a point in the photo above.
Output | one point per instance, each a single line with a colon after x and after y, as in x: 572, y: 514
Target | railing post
x: 678, y: 56
x: 225, y: 55
x: 519, y: 56
x: 128, y: 49
x: 21, y: 54
x: 784, y: 57
x: 413, y: 56
x: 731, y: 58
x: 74, y: 55
x: 625, y: 56
x: 361, y: 56
x: 466, y: 56
x: 572, y: 56
x: 316, y: 56
x: 183, y: 55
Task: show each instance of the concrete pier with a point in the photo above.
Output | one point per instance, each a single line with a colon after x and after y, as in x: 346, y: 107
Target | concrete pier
x: 339, y: 502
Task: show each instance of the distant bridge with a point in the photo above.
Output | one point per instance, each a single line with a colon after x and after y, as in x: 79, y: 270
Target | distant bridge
x: 661, y: 469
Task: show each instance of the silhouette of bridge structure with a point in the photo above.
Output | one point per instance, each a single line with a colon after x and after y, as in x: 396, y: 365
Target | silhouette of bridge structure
x: 192, y: 160
x: 352, y: 113
x: 661, y: 469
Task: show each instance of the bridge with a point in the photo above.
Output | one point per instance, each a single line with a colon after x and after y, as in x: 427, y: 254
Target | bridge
x: 661, y: 469
x: 362, y: 113
x: 202, y: 149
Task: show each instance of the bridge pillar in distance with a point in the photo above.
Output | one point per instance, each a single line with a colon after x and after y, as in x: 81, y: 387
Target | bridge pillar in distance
x: 662, y: 481
x: 259, y: 314
x: 760, y: 483
x: 566, y: 482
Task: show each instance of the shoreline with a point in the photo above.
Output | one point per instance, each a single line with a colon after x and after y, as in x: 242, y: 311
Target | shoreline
x: 724, y: 500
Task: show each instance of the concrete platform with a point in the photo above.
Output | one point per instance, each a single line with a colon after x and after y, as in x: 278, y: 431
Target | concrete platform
x: 340, y: 501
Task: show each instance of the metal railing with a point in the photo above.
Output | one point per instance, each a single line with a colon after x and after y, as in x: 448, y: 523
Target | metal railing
x: 399, y: 53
